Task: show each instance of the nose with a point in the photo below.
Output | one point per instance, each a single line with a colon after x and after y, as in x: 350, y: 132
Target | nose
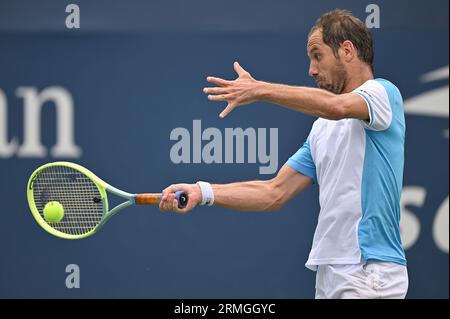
x: 313, y: 71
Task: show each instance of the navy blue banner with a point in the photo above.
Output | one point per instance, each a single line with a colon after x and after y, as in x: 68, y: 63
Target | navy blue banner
x: 119, y: 91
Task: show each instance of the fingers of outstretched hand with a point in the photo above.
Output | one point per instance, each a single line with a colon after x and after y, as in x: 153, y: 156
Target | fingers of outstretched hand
x: 220, y: 97
x: 230, y: 107
x: 215, y: 90
x: 218, y: 81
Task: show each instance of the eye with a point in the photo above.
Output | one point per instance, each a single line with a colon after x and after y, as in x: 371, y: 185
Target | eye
x: 317, y: 56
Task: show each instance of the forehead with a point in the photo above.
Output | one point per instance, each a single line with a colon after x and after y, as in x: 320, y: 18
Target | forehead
x: 315, y: 40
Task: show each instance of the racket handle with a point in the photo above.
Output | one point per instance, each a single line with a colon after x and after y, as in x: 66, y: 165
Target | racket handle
x: 154, y: 199
x: 147, y: 199
x: 182, y: 198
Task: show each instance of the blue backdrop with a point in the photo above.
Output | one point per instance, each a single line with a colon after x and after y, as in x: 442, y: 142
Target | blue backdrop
x: 132, y: 73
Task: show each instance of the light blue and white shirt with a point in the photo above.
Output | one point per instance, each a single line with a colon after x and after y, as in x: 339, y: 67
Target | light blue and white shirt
x: 358, y: 166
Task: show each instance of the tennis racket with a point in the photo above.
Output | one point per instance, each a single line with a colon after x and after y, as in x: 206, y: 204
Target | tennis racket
x: 84, y: 197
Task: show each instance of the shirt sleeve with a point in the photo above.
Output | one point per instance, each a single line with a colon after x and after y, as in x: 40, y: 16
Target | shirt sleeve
x: 303, y: 162
x: 378, y: 105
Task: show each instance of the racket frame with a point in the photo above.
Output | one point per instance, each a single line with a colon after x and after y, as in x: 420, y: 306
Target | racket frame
x: 102, y: 187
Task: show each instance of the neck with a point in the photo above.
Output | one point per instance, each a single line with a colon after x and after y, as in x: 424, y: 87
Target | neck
x: 358, y: 77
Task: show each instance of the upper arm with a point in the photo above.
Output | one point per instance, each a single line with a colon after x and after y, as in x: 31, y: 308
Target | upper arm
x: 368, y: 103
x: 351, y: 105
x: 297, y: 174
x: 302, y: 161
x: 376, y: 101
x: 289, y: 182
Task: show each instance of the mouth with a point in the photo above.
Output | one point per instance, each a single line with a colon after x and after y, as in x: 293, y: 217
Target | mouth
x: 319, y: 81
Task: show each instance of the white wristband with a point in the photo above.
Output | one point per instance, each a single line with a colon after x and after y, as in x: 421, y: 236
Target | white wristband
x: 207, y: 193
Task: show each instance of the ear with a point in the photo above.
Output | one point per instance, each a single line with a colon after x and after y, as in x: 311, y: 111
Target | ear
x: 348, y: 51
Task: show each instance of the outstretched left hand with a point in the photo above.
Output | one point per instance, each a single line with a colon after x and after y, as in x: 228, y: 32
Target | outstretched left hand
x: 239, y: 92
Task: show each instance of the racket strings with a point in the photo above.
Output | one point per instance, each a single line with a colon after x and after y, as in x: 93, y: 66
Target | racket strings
x: 80, y: 197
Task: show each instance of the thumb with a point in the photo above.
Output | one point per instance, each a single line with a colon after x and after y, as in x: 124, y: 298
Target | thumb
x: 239, y: 70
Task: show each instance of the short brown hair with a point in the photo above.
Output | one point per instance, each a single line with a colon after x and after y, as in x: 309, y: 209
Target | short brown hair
x: 341, y: 25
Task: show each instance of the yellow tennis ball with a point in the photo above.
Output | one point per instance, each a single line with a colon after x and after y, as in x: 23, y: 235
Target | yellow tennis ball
x: 53, y: 212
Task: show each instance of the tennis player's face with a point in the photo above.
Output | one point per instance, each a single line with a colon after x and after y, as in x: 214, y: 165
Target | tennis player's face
x: 328, y: 71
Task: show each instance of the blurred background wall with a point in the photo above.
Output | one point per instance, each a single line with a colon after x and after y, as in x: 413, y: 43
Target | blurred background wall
x: 109, y: 94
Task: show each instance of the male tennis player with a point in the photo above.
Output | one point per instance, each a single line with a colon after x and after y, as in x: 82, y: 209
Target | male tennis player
x: 354, y: 152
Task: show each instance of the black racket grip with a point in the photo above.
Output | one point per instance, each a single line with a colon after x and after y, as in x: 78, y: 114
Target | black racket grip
x: 182, y: 198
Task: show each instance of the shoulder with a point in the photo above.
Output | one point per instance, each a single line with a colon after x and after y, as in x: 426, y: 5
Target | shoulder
x: 391, y: 89
x: 380, y: 88
x: 381, y: 91
x: 383, y: 99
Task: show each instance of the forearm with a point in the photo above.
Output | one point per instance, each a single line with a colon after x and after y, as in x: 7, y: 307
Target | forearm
x: 312, y: 101
x: 269, y: 195
x: 247, y: 196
